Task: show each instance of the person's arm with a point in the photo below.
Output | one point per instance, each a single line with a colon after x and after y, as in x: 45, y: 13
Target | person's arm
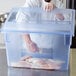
x: 27, y: 38
x: 32, y: 47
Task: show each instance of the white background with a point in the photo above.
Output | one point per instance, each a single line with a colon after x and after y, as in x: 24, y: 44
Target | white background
x: 6, y: 5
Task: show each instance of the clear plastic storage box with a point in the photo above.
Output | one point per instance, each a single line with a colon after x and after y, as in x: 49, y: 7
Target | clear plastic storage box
x: 38, y: 39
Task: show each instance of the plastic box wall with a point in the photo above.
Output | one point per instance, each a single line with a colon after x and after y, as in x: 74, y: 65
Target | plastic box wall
x: 36, y: 22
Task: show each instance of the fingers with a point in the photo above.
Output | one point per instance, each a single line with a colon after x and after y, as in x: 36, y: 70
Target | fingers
x: 49, y: 7
x: 59, y: 16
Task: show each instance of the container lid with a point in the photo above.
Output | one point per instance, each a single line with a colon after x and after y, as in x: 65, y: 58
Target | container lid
x: 38, y: 20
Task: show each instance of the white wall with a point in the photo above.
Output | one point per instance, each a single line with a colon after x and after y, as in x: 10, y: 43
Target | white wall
x: 6, y: 5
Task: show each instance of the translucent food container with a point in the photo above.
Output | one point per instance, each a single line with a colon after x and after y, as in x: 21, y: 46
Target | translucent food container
x: 38, y: 39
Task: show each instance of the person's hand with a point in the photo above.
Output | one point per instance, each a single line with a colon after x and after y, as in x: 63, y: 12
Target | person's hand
x: 49, y: 6
x: 32, y: 47
x: 59, y: 16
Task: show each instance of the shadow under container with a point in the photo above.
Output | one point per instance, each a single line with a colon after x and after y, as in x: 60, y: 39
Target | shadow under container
x: 52, y: 38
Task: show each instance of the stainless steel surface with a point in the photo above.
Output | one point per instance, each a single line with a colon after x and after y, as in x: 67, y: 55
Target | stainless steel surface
x: 73, y: 63
x: 5, y: 71
x: 32, y: 72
